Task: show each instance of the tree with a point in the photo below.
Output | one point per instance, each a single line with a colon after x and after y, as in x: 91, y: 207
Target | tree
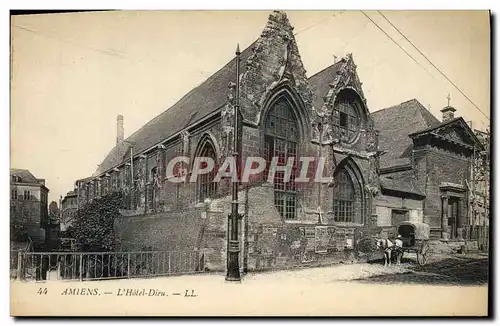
x: 482, y: 166
x: 53, y: 211
x: 480, y: 202
x: 93, y: 226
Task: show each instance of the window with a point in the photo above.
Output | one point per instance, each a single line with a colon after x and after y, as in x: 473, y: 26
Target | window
x: 16, y: 178
x: 152, y: 188
x: 105, y: 185
x: 281, y: 137
x: 13, y: 195
x: 206, y: 187
x: 345, y: 120
x: 27, y: 195
x: 119, y: 175
x: 344, y: 197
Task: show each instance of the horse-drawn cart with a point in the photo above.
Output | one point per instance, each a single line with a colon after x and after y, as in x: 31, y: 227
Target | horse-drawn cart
x: 415, y: 236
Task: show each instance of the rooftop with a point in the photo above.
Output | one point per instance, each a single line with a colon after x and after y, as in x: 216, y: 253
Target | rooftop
x: 395, y: 124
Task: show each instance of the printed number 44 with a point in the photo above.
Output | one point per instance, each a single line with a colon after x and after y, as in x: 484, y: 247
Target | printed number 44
x: 42, y: 291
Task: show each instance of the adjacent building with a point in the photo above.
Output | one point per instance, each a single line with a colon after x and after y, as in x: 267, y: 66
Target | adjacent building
x: 69, y: 206
x: 425, y: 168
x: 28, y: 207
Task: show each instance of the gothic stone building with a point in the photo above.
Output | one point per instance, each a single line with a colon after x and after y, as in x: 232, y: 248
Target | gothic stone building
x: 283, y: 113
x: 425, y: 168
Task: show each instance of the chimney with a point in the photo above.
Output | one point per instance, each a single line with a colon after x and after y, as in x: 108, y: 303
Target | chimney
x: 119, y: 129
x: 448, y: 113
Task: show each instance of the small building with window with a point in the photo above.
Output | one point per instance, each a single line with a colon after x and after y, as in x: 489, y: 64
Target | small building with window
x: 284, y: 114
x: 28, y: 207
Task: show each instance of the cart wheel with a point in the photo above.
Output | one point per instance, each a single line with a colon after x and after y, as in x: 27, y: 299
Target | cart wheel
x: 423, y: 253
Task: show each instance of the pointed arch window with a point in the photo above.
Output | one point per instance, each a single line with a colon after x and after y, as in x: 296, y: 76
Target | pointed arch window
x: 281, y: 140
x: 345, y: 198
x: 206, y: 187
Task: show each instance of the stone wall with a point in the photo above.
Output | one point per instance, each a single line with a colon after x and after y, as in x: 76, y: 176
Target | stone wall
x: 433, y: 167
x: 162, y: 231
x: 386, y: 203
x: 271, y: 242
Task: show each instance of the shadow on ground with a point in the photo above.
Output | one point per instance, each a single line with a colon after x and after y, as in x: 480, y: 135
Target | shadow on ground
x: 455, y: 270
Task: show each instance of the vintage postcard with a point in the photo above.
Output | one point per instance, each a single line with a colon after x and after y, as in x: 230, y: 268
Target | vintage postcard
x: 250, y: 163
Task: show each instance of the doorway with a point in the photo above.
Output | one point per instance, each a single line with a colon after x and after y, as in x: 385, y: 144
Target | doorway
x: 453, y: 213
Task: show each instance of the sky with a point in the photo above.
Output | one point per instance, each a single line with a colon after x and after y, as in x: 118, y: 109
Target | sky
x: 72, y: 74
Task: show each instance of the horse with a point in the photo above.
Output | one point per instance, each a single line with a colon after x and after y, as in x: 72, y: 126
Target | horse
x: 388, y: 248
x: 385, y: 246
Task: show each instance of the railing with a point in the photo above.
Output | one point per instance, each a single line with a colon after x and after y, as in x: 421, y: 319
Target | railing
x: 41, y: 266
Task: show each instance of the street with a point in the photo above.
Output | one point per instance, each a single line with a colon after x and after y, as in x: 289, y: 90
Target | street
x: 452, y: 270
x: 339, y: 290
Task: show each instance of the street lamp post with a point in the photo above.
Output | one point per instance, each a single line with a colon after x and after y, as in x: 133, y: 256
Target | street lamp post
x: 233, y: 248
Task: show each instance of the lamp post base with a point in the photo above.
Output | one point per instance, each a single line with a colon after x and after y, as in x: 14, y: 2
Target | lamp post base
x: 233, y: 279
x: 233, y: 268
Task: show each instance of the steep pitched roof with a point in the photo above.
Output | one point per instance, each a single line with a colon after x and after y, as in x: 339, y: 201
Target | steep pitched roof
x: 395, y: 124
x: 319, y: 83
x: 25, y: 175
x: 200, y: 102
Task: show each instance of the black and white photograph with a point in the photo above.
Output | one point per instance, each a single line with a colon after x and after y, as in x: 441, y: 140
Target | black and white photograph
x: 250, y: 163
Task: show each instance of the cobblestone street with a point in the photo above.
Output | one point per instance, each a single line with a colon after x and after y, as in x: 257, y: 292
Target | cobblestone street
x: 453, y: 270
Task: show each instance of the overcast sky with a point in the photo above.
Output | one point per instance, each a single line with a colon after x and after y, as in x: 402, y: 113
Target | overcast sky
x: 72, y: 74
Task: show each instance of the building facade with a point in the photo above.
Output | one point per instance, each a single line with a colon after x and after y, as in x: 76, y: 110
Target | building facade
x: 28, y: 206
x: 425, y: 169
x: 283, y: 113
x: 69, y: 206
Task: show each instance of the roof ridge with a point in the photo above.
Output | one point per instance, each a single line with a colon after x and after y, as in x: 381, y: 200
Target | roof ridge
x: 397, y: 105
x: 427, y: 115
x: 324, y: 69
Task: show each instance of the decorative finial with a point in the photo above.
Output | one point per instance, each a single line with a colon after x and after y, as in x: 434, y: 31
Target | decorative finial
x: 238, y: 49
x: 449, y: 99
x: 335, y: 58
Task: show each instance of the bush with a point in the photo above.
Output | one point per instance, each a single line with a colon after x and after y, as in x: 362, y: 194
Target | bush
x: 93, y: 227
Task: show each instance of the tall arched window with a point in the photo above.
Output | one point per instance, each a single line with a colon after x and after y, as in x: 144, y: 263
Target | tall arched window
x: 346, y: 198
x: 343, y: 198
x: 280, y: 140
x: 206, y: 187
